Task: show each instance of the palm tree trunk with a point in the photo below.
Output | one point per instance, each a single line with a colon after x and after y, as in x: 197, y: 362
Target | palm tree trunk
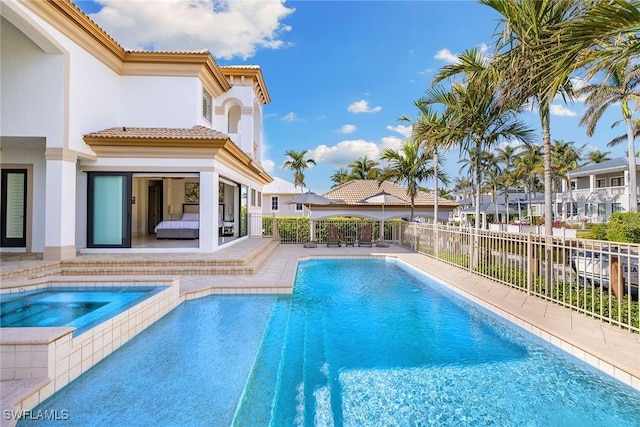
x: 475, y: 254
x: 633, y: 186
x: 548, y: 184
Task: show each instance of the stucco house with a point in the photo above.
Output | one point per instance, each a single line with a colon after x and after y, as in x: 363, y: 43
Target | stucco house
x: 276, y: 196
x: 348, y: 201
x: 100, y: 144
x: 599, y: 190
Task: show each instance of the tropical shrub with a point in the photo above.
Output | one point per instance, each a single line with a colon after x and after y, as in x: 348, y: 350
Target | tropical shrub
x: 624, y: 227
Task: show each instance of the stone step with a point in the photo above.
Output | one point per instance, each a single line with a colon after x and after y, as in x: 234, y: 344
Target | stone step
x: 225, y: 262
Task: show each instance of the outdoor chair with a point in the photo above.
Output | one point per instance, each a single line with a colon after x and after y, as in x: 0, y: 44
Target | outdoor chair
x: 333, y: 238
x: 365, y: 237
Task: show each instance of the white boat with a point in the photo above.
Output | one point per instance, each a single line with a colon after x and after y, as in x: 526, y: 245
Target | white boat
x: 592, y: 267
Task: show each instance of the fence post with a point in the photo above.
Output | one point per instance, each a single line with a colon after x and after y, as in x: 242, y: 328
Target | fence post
x: 531, y: 263
x: 616, y: 278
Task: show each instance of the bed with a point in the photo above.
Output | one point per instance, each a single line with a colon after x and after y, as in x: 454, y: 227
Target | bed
x: 187, y: 227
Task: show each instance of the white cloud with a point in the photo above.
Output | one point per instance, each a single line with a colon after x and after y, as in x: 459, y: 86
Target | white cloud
x: 561, y: 110
x: 425, y: 71
x: 447, y: 56
x: 345, y: 152
x: 401, y: 129
x: 268, y: 165
x: 226, y: 28
x: 290, y: 117
x: 347, y: 128
x: 362, y: 106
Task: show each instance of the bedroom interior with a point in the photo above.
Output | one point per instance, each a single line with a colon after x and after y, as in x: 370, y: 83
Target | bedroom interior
x: 165, y: 210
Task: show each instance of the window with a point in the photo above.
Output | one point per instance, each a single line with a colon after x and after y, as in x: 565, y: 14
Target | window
x: 617, y: 181
x: 601, y: 183
x: 616, y: 207
x: 274, y: 203
x: 253, y: 197
x: 602, y: 210
x: 298, y: 207
x: 206, y: 105
x: 259, y: 199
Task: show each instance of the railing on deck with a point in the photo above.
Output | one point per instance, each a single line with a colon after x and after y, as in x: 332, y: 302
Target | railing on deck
x: 597, y: 278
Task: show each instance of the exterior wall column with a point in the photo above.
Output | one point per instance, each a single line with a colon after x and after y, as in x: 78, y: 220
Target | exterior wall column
x: 209, y: 211
x: 60, y: 204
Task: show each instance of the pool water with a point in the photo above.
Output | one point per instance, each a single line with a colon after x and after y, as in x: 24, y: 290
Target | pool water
x: 360, y: 343
x: 187, y: 369
x: 371, y: 343
x: 78, y: 307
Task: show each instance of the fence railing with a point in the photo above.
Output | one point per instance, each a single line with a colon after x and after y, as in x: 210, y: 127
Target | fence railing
x: 594, y: 277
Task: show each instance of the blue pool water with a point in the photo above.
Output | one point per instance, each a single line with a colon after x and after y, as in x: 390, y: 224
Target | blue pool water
x: 360, y: 343
x: 82, y: 308
x: 372, y: 343
x: 187, y: 369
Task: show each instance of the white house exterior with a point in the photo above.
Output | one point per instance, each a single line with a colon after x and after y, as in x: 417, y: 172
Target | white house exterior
x: 276, y: 197
x: 99, y: 143
x: 600, y: 189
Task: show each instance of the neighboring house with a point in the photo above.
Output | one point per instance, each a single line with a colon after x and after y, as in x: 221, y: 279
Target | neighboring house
x: 599, y: 190
x: 99, y: 144
x: 276, y: 196
x: 348, y: 201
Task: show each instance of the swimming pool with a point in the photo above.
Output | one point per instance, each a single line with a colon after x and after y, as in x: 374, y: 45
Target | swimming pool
x: 371, y: 342
x: 360, y: 342
x: 81, y: 308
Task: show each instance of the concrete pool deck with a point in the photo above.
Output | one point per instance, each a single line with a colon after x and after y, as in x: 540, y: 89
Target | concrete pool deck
x: 604, y: 346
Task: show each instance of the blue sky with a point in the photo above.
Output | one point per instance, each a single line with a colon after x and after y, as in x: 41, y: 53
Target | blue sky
x: 339, y: 73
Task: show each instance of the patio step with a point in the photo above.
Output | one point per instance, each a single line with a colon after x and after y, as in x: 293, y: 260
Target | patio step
x: 247, y: 265
x: 232, y: 260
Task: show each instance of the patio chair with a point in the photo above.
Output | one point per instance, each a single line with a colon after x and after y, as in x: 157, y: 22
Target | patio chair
x: 365, y: 237
x: 333, y: 238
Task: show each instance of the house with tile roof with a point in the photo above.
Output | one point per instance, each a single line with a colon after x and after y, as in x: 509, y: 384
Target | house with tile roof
x: 348, y: 200
x: 276, y: 196
x: 99, y: 144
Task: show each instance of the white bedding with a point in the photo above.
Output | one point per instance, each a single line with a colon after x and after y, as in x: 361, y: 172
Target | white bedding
x: 189, y: 220
x: 193, y: 225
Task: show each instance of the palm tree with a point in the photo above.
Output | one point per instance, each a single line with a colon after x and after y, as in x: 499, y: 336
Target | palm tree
x: 297, y: 163
x: 410, y: 165
x: 528, y: 168
x: 340, y: 176
x: 431, y: 129
x: 476, y: 120
x: 597, y: 156
x: 507, y: 156
x: 364, y: 168
x: 524, y: 70
x: 566, y: 158
x: 621, y: 86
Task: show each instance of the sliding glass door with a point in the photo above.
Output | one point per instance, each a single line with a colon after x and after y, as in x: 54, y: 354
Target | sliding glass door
x: 109, y: 210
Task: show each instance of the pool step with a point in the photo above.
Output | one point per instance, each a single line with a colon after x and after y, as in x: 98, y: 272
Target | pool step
x: 257, y: 398
x: 288, y: 402
x: 190, y: 266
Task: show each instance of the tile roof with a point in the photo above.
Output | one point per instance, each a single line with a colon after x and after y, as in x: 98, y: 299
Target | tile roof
x: 196, y: 132
x: 353, y: 192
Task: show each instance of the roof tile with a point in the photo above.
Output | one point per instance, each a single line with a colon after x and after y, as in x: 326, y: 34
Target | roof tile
x: 353, y: 192
x: 196, y: 132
